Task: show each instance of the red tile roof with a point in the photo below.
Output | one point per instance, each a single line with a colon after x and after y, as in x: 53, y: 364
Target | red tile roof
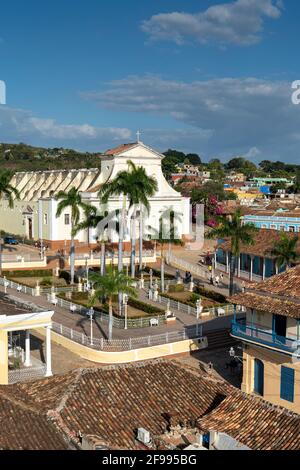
x: 264, y: 242
x: 278, y: 294
x: 24, y: 428
x: 120, y: 149
x: 254, y: 423
x: 112, y: 402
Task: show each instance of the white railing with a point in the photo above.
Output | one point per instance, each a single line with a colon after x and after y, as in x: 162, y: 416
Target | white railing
x: 180, y: 307
x: 19, y: 287
x: 128, y: 344
x: 182, y: 264
x: 118, y: 322
x: 10, y: 258
x: 58, y: 290
x: 108, y: 255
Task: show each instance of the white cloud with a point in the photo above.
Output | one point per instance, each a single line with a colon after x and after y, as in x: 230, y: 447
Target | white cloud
x: 19, y: 124
x: 239, y: 22
x: 235, y: 115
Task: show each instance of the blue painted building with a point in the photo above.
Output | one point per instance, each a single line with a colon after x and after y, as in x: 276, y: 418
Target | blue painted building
x: 281, y: 220
x: 255, y: 262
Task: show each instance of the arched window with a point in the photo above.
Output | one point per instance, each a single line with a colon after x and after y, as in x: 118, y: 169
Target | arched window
x: 259, y: 377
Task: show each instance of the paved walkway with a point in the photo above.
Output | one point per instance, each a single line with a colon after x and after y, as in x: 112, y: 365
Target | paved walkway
x: 82, y: 324
x: 193, y: 258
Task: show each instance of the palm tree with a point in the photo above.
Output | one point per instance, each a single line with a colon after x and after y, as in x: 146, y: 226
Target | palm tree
x: 110, y: 286
x: 238, y: 233
x: 285, y: 251
x: 137, y: 186
x: 71, y: 199
x: 92, y: 220
x: 164, y: 236
x: 10, y: 193
x: 120, y: 186
x: 142, y: 187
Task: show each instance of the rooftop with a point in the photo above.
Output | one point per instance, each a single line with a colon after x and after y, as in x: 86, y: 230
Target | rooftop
x: 120, y: 149
x: 254, y: 423
x: 24, y: 428
x: 278, y: 294
x: 264, y: 242
x: 111, y: 402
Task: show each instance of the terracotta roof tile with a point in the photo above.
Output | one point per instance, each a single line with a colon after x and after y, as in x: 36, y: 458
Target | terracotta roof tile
x: 120, y: 149
x: 255, y: 423
x: 23, y: 428
x: 112, y: 402
x: 278, y: 294
x: 265, y: 303
x: 264, y: 241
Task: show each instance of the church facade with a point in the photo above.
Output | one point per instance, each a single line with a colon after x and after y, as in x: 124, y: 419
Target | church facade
x: 34, y: 215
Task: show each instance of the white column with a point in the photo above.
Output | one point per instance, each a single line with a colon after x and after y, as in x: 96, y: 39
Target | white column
x: 27, y: 349
x: 251, y: 268
x: 48, y: 352
x: 227, y: 262
x: 264, y: 269
x: 239, y: 266
x: 216, y: 262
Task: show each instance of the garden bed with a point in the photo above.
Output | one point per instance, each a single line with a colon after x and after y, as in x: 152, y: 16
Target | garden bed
x: 45, y: 281
x: 136, y: 308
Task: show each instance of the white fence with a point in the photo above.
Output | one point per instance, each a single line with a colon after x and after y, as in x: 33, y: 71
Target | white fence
x: 180, y: 307
x: 118, y: 322
x: 14, y: 285
x: 24, y: 261
x: 128, y: 344
x: 92, y: 259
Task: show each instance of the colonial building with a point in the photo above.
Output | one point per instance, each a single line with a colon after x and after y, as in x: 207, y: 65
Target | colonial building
x: 34, y: 216
x: 255, y: 262
x: 270, y: 333
x: 281, y: 219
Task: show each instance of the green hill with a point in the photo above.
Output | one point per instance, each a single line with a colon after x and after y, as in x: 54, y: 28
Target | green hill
x: 22, y: 157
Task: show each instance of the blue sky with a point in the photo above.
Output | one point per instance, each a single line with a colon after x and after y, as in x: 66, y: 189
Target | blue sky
x: 212, y: 77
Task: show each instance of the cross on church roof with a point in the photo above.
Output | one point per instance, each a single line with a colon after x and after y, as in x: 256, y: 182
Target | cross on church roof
x: 138, y: 135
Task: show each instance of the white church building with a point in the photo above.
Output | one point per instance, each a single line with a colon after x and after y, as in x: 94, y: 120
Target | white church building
x: 34, y: 215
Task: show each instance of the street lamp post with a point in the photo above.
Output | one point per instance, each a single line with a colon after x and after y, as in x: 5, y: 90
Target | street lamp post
x: 91, y: 314
x: 87, y: 272
x: 125, y: 300
x: 199, y: 310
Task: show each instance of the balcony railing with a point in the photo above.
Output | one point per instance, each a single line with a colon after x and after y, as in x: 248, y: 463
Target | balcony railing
x: 264, y: 337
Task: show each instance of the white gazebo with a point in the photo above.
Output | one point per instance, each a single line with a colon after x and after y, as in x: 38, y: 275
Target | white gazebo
x: 23, y: 322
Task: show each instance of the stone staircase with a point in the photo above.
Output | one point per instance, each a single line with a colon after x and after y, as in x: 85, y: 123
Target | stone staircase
x: 218, y: 339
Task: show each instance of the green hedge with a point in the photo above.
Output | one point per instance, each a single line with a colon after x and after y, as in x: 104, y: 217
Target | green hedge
x: 30, y: 273
x: 211, y: 295
x: 191, y: 303
x: 81, y: 299
x: 144, y: 307
x: 176, y: 288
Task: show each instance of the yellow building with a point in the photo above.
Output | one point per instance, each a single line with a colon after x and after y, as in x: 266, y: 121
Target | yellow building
x: 270, y: 332
x: 249, y: 195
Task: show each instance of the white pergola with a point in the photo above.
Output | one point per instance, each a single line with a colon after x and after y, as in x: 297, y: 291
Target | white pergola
x: 24, y: 322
